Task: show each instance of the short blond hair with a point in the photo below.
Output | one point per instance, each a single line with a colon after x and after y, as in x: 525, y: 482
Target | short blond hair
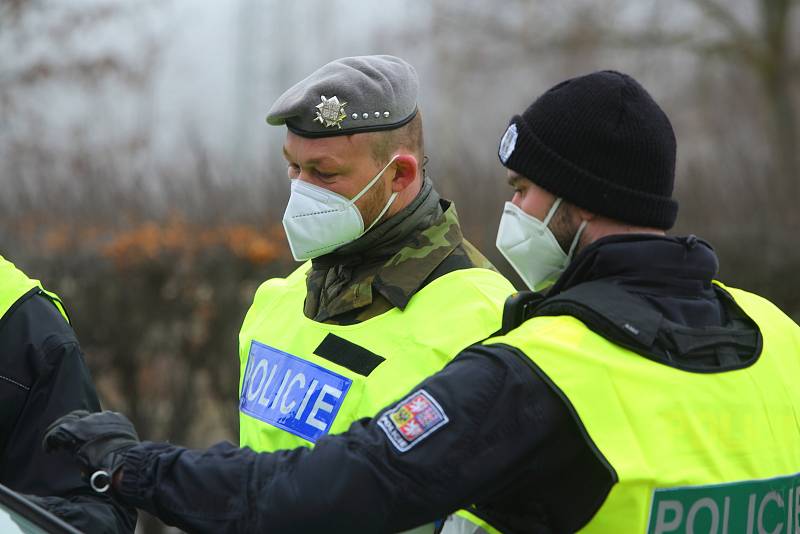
x: 408, y: 136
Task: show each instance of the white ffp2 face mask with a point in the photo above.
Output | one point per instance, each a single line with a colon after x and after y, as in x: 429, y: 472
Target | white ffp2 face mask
x: 318, y: 221
x: 531, y: 248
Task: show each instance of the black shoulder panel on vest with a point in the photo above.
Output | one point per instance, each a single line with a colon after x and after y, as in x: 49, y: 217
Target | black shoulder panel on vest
x: 574, y: 495
x: 347, y: 354
x: 518, y: 308
x: 18, y: 303
x: 608, y: 310
x: 627, y: 320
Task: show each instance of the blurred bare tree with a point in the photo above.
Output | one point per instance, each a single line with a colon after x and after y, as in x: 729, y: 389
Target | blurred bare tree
x: 154, y: 260
x: 726, y: 72
x: 755, y: 44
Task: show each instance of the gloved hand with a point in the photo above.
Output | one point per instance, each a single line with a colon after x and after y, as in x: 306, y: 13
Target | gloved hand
x: 97, y: 440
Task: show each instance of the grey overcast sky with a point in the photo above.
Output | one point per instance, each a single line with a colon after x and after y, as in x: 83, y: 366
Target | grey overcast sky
x: 225, y: 62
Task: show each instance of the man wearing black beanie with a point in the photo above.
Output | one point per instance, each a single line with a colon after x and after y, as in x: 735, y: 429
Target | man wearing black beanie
x: 594, y: 156
x: 637, y: 395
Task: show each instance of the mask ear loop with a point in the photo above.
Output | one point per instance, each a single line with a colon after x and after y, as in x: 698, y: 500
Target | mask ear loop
x: 372, y: 182
x: 576, y: 239
x: 552, y: 211
x: 383, y: 211
x: 388, y: 204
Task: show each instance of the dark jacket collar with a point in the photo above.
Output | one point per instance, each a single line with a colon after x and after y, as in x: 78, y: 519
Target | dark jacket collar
x: 674, y: 274
x: 680, y: 262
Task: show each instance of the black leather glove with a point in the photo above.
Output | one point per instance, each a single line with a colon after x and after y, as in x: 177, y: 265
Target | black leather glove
x: 98, y: 441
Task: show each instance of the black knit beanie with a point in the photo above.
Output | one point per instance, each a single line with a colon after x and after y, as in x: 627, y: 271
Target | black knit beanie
x: 602, y: 143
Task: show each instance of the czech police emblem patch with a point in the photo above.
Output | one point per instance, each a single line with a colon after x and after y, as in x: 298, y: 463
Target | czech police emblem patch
x: 412, y: 420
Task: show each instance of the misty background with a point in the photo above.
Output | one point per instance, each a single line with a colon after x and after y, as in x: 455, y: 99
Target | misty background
x: 141, y: 183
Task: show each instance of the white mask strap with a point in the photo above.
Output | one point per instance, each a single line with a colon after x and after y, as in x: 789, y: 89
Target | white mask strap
x: 372, y: 182
x: 552, y: 211
x: 383, y: 211
x: 577, y: 238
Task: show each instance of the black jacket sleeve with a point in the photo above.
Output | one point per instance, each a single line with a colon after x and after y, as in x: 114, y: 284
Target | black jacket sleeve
x: 44, y: 376
x: 499, y: 417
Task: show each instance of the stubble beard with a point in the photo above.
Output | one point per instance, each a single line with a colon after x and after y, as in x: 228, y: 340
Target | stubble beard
x: 563, y: 227
x: 374, y: 201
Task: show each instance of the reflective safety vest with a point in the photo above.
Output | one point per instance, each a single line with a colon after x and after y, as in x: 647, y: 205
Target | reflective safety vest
x: 301, y: 379
x: 14, y: 284
x: 703, y: 452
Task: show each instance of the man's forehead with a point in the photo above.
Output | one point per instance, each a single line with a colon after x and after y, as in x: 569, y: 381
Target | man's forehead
x: 323, y: 149
x: 514, y: 177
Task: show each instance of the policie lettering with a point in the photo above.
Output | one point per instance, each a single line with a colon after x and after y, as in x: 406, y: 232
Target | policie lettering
x: 291, y: 393
x: 750, y: 507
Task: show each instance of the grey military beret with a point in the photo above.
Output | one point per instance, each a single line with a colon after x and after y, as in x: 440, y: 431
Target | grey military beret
x: 350, y: 95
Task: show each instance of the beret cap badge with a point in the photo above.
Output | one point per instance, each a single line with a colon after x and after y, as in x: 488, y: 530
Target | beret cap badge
x: 330, y: 112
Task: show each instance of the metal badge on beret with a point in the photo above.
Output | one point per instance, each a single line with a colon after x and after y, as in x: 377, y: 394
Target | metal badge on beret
x: 330, y: 112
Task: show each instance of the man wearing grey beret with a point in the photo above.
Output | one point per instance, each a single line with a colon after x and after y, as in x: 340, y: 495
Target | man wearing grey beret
x: 389, y: 289
x: 392, y: 289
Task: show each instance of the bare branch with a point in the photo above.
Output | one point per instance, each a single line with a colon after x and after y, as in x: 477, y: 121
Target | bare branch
x: 725, y: 18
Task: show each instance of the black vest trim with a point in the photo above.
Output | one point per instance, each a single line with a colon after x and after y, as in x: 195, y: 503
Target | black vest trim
x: 347, y: 354
x: 18, y: 303
x: 613, y: 478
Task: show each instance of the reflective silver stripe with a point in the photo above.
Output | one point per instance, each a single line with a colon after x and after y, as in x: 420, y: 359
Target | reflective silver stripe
x: 23, y: 386
x: 456, y: 524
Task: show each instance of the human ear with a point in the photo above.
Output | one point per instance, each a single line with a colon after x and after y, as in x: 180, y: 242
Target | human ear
x: 407, y: 168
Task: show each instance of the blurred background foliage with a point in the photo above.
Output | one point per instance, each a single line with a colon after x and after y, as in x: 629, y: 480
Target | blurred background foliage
x: 140, y: 182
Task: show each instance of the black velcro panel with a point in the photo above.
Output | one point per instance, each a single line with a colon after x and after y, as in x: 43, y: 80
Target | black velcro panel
x: 348, y: 354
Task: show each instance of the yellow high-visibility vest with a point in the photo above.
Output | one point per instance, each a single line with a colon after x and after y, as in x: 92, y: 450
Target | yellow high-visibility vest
x: 301, y: 379
x: 14, y: 284
x: 693, y: 452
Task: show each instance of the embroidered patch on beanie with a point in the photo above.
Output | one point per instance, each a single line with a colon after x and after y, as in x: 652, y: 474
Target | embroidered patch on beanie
x: 508, y: 143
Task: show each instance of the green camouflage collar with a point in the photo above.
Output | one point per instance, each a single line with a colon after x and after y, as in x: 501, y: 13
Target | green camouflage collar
x: 406, y: 272
x: 391, y: 270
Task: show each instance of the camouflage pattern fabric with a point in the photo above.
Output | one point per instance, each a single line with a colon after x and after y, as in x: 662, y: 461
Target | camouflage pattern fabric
x: 383, y: 271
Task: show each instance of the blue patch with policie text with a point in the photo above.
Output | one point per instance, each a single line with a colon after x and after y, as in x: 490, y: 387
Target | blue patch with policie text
x: 415, y: 418
x: 290, y: 393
